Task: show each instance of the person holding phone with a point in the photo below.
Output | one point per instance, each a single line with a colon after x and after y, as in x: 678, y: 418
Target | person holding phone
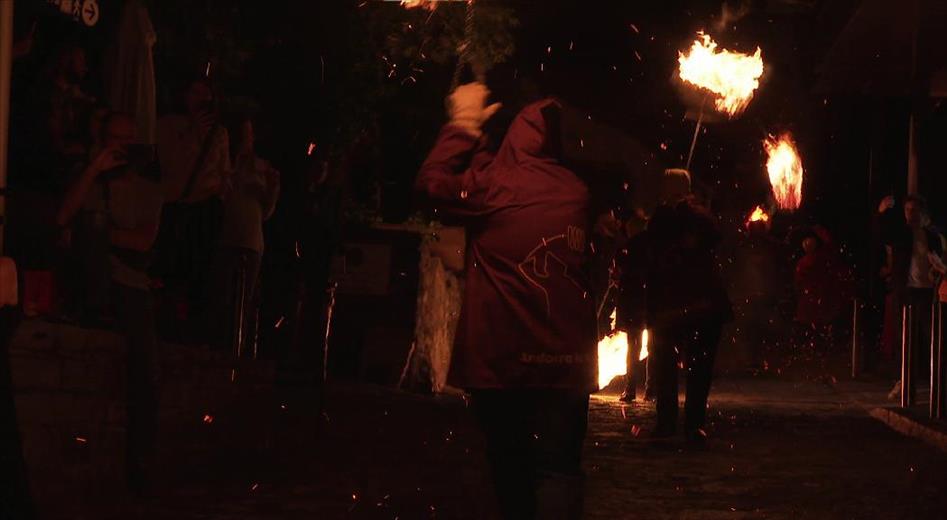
x: 249, y: 199
x: 910, y: 241
x: 193, y: 150
x: 128, y: 207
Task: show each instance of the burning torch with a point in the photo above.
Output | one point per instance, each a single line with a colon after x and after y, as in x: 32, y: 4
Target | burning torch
x: 729, y: 78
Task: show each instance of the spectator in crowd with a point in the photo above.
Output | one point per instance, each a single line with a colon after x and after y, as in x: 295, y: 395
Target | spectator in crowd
x: 193, y: 149
x: 249, y: 199
x: 113, y: 186
x: 85, y: 275
x: 687, y: 304
x: 67, y: 101
x: 909, y: 242
x: 823, y: 284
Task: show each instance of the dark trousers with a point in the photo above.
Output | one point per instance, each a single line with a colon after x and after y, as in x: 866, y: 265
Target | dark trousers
x: 186, y: 241
x: 134, y: 309
x: 534, y: 448
x: 921, y: 301
x: 698, y: 343
x: 234, y: 268
x: 639, y: 370
x: 15, y: 499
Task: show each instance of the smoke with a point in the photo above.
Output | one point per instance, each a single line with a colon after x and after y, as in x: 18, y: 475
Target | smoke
x: 731, y: 13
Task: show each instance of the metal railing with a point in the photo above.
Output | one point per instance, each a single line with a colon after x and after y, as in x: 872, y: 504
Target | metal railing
x: 907, y: 348
x: 937, y: 401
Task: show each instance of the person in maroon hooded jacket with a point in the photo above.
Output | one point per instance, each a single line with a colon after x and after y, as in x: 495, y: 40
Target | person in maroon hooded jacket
x: 525, y: 346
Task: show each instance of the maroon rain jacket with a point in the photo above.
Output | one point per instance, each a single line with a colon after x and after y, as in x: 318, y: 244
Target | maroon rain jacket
x: 527, y: 319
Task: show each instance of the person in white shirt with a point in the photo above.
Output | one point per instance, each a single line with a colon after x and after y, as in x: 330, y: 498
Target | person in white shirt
x: 249, y: 198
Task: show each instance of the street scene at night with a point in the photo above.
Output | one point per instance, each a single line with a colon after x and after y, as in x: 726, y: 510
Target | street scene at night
x: 473, y: 259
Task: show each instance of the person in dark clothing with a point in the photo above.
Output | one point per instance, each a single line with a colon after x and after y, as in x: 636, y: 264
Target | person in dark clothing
x: 687, y: 304
x: 130, y: 209
x: 15, y: 499
x: 824, y: 287
x: 632, y: 313
x: 194, y: 153
x: 525, y: 345
x: 909, y: 242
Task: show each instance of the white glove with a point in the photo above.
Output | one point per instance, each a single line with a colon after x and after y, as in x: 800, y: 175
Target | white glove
x: 466, y: 107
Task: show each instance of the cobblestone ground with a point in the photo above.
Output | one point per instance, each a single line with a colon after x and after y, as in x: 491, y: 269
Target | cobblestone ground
x: 780, y: 450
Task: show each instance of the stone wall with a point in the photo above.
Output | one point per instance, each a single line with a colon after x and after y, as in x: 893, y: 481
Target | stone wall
x: 69, y: 387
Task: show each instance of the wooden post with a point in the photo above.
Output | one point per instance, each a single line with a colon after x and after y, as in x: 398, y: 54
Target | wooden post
x: 6, y: 66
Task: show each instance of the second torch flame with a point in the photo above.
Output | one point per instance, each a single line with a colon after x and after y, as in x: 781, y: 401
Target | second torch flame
x: 758, y: 215
x: 613, y: 354
x: 784, y: 167
x: 731, y: 76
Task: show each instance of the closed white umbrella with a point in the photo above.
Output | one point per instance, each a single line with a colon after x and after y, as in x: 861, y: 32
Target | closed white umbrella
x: 131, y: 74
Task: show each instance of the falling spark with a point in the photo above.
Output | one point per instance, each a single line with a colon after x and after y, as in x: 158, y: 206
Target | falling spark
x: 731, y: 76
x: 635, y: 28
x: 784, y: 167
x: 208, y: 418
x: 82, y: 440
x: 254, y: 486
x: 279, y: 322
x: 207, y: 70
x: 311, y: 148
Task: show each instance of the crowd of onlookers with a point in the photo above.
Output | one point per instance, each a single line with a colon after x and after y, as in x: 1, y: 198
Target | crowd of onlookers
x: 101, y: 221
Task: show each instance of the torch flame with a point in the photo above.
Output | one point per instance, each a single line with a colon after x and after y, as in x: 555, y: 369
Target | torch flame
x: 758, y: 215
x: 731, y: 76
x: 430, y: 5
x: 612, y: 355
x: 644, y: 345
x: 785, y: 170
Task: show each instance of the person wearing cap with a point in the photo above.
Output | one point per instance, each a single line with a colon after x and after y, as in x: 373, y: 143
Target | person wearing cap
x: 687, y: 304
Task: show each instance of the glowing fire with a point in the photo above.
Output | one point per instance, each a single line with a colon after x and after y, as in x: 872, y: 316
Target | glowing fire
x: 612, y: 354
x: 785, y: 170
x: 426, y: 4
x: 758, y: 215
x: 612, y: 357
x: 644, y: 345
x: 731, y: 76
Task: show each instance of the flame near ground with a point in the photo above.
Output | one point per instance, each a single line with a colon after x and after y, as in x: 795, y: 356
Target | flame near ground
x: 613, y: 354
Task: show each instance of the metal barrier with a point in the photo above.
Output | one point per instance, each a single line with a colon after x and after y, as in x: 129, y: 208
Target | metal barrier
x: 907, y: 340
x: 856, y: 354
x: 241, y: 284
x: 937, y: 360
